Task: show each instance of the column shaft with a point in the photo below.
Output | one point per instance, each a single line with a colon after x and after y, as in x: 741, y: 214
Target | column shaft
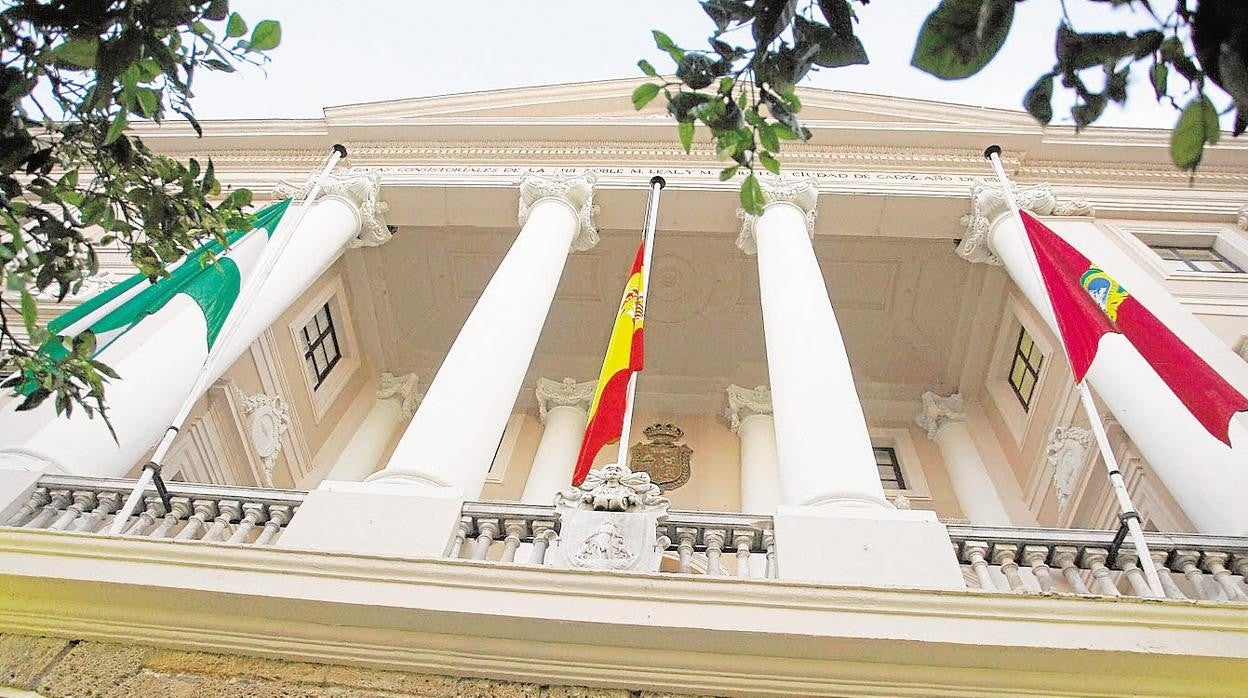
x: 453, y: 436
x: 556, y: 454
x: 821, y: 435
x: 760, y: 478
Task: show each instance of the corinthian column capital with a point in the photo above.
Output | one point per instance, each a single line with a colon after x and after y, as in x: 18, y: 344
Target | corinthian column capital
x: 746, y: 402
x: 939, y: 412
x: 802, y: 192
x: 565, y: 393
x: 403, y: 390
x: 575, y: 190
x: 988, y: 204
x: 360, y: 188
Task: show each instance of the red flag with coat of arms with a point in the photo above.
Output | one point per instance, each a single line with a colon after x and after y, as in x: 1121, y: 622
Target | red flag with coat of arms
x: 1089, y: 304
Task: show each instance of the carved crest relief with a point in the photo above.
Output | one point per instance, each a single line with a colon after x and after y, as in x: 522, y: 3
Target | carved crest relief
x: 668, y: 463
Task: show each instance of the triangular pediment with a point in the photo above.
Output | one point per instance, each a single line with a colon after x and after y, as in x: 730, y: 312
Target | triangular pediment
x: 610, y: 100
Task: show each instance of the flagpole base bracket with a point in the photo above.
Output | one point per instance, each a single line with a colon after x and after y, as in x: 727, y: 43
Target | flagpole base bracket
x: 1121, y: 536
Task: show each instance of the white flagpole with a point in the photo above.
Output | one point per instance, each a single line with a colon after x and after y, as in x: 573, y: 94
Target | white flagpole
x: 255, y: 282
x: 652, y: 214
x: 1128, y: 515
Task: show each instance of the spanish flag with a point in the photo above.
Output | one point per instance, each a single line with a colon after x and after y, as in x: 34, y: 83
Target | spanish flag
x: 1089, y: 304
x: 624, y: 357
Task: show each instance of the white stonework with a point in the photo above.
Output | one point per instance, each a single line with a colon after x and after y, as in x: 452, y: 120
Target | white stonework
x: 576, y: 191
x: 608, y: 523
x: 1067, y: 453
x: 1241, y: 218
x: 988, y: 203
x: 268, y: 418
x: 563, y: 407
x: 565, y: 393
x: 939, y: 412
x: 746, y: 402
x: 802, y: 192
x: 945, y: 421
x: 404, y: 389
x: 361, y: 188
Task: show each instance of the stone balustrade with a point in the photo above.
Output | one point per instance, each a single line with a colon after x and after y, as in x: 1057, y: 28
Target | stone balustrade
x: 999, y: 559
x: 244, y: 515
x: 1047, y: 560
x: 690, y: 542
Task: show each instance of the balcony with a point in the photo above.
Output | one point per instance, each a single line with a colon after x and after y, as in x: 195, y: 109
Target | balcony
x: 995, y: 559
x: 718, y: 616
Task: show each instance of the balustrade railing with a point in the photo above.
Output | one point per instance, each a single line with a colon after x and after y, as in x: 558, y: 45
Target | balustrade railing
x: 243, y: 515
x: 1047, y: 560
x: 691, y: 542
x: 1002, y: 559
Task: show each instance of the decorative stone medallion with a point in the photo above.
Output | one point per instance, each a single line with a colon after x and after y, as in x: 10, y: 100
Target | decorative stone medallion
x: 668, y: 463
x: 268, y: 419
x: 610, y: 522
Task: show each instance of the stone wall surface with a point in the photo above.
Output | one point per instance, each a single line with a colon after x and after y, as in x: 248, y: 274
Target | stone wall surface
x: 84, y: 669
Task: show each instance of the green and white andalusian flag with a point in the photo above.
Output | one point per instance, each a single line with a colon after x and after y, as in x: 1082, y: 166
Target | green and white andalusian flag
x: 213, y: 286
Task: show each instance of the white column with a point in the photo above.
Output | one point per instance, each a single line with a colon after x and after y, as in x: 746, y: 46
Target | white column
x: 397, y: 398
x: 453, y: 436
x: 160, y: 358
x: 564, y: 408
x: 1205, y: 477
x: 945, y: 423
x: 834, y: 524
x: 749, y: 416
x: 824, y: 449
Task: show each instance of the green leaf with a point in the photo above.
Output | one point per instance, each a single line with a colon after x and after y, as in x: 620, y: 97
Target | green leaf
x: 149, y: 100
x: 1039, y: 99
x: 752, y: 195
x: 960, y: 37
x: 728, y: 173
x: 767, y: 136
x: 267, y: 35
x: 770, y: 162
x: 664, y: 42
x: 30, y: 311
x: 686, y: 134
x: 118, y: 126
x: 80, y: 53
x: 1198, y: 125
x: 1159, y: 76
x: 647, y: 68
x: 237, y: 27
x: 644, y: 93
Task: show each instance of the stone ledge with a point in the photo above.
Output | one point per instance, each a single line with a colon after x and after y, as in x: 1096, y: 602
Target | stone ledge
x: 70, y: 668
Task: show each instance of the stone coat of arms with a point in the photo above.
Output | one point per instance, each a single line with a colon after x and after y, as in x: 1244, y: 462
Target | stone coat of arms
x: 610, y: 522
x: 668, y: 463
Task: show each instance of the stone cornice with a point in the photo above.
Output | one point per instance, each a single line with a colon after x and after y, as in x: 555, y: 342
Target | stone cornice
x: 939, y: 412
x: 565, y: 393
x: 802, y: 192
x: 425, y: 615
x: 576, y: 190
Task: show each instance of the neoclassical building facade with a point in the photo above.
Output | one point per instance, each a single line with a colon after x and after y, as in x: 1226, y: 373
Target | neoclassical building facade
x: 868, y: 468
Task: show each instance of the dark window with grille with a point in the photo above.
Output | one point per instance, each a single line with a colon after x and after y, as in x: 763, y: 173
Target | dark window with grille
x: 320, y: 345
x: 1025, y: 369
x: 890, y: 469
x: 1204, y: 259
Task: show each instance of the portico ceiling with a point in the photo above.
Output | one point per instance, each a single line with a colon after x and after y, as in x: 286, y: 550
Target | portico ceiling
x: 898, y: 299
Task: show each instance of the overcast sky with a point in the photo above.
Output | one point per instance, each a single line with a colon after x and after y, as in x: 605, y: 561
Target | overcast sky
x: 336, y: 53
